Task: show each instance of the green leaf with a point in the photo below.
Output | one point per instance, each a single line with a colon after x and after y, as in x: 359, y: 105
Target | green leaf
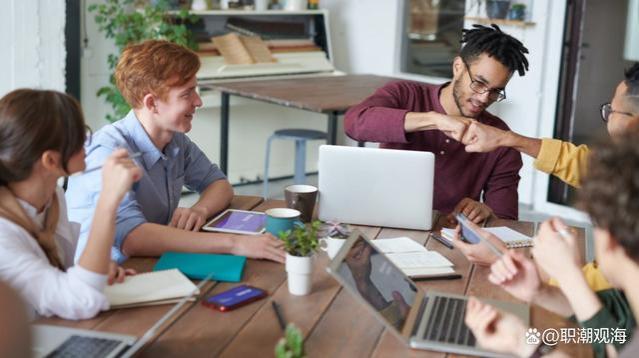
x: 120, y: 22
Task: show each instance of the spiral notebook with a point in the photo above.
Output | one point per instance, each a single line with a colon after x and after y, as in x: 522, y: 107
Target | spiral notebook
x: 150, y: 288
x: 513, y: 239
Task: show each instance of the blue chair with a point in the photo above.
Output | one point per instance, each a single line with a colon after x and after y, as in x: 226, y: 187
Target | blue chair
x: 300, y: 136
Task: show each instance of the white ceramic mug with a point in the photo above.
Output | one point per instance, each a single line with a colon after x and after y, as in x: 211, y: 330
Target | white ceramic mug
x: 331, y: 246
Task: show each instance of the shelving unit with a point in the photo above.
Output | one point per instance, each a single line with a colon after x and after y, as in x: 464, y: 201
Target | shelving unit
x: 500, y: 22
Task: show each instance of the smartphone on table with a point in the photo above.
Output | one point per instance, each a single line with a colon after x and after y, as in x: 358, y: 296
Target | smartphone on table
x: 235, y: 297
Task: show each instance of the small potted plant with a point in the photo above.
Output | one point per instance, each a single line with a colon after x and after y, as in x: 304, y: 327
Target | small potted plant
x: 291, y: 345
x: 300, y: 245
x: 517, y: 12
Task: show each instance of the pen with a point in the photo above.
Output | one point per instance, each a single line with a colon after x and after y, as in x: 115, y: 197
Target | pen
x: 452, y: 276
x: 442, y: 240
x: 491, y: 246
x: 132, y: 156
x: 278, y: 313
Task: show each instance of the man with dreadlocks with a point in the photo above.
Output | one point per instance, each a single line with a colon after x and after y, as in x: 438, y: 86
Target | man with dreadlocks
x: 417, y: 116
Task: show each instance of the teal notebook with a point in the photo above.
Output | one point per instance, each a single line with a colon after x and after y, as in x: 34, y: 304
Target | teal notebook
x: 227, y: 268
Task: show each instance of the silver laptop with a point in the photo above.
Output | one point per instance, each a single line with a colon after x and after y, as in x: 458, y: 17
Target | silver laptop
x: 424, y: 319
x: 54, y: 341
x: 377, y: 187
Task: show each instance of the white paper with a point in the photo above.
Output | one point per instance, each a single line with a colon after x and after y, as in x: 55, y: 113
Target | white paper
x: 419, y: 259
x: 426, y: 271
x: 149, y: 287
x: 507, y: 234
x: 398, y: 244
x: 504, y: 233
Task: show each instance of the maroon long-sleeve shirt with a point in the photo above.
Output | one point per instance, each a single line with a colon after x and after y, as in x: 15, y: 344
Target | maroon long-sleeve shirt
x: 380, y: 118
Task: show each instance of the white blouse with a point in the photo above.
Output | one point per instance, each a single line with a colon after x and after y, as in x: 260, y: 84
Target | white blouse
x: 74, y: 294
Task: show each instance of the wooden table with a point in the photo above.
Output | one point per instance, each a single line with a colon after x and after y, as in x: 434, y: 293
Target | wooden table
x: 334, y: 324
x: 331, y: 95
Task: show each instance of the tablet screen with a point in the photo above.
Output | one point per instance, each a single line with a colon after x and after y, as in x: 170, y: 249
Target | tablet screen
x: 238, y: 221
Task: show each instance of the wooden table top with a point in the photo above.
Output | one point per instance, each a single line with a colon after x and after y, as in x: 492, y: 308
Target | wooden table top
x: 322, y: 94
x: 333, y: 323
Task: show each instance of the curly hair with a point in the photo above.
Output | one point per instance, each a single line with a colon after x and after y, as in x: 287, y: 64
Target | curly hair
x: 610, y: 191
x: 492, y: 41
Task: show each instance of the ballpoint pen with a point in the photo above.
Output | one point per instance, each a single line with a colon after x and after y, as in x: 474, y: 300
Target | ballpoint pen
x: 442, y: 240
x: 280, y: 316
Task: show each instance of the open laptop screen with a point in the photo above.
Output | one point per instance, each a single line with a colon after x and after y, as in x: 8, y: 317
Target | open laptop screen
x: 371, y: 275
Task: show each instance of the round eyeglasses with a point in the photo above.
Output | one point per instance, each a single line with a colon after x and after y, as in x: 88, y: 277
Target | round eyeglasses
x: 606, y: 111
x: 496, y: 95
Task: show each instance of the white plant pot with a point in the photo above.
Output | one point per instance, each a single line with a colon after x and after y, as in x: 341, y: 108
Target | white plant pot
x: 299, y: 270
x: 199, y: 5
x: 261, y: 5
x: 296, y: 5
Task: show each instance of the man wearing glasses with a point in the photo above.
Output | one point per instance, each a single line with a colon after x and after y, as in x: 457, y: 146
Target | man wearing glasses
x: 434, y: 118
x: 563, y: 159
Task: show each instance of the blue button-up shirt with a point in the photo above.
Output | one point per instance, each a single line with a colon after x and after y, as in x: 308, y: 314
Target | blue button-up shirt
x: 154, y: 198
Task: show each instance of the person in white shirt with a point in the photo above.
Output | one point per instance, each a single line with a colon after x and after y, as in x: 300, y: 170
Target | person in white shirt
x: 42, y: 135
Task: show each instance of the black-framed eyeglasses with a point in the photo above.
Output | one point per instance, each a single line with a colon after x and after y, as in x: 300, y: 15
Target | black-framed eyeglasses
x: 606, y: 111
x: 496, y: 95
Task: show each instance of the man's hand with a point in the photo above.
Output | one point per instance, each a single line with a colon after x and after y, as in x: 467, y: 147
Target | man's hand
x: 479, y: 253
x: 475, y: 211
x: 483, y: 138
x: 264, y: 246
x: 453, y: 126
x: 190, y: 219
x: 557, y: 254
x: 497, y: 331
x: 516, y: 274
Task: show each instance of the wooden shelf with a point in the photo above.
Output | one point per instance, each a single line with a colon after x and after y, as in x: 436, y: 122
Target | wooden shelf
x: 502, y: 22
x: 235, y: 12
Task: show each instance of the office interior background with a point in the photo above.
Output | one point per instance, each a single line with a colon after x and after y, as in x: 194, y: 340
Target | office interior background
x: 578, y: 50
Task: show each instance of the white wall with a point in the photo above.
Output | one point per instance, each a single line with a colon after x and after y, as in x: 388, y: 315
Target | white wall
x: 32, y: 39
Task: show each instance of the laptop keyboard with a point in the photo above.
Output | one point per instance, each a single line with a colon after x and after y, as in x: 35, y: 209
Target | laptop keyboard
x: 446, y: 322
x: 83, y: 346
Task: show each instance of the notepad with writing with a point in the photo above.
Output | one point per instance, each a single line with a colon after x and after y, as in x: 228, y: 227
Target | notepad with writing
x: 414, y: 259
x: 151, y: 288
x: 227, y: 268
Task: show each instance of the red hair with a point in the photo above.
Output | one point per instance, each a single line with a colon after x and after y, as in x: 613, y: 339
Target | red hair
x: 153, y: 66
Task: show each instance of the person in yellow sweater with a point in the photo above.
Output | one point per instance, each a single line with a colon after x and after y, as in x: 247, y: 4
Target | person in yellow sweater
x: 608, y: 307
x: 564, y: 160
